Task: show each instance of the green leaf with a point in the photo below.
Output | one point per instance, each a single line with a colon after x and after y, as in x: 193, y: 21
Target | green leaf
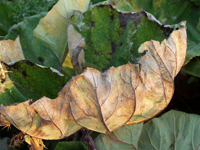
x: 9, y: 93
x: 96, y: 1
x: 173, y: 130
x: 123, y: 138
x: 193, y: 67
x: 198, y: 25
x: 124, y: 5
x: 196, y: 2
x: 112, y: 38
x: 25, y: 80
x: 193, y: 50
x: 32, y: 49
x: 70, y: 146
x: 6, y: 20
x: 52, y: 29
x: 172, y: 12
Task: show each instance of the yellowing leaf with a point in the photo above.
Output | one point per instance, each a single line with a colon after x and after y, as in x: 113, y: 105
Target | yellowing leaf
x: 52, y: 29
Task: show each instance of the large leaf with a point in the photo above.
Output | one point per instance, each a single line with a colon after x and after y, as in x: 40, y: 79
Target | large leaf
x: 25, y: 80
x: 112, y: 38
x: 32, y: 49
x: 173, y: 130
x: 103, y: 102
x: 52, y: 29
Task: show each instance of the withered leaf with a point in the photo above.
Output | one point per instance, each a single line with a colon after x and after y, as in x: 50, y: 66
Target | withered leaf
x: 11, y: 51
x: 103, y: 102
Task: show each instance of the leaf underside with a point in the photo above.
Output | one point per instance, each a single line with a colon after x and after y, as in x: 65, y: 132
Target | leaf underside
x: 171, y: 130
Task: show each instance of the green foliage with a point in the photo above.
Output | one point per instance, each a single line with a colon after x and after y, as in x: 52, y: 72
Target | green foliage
x: 52, y: 29
x: 21, y: 9
x: 172, y: 130
x: 15, y: 11
x: 172, y: 12
x: 113, y: 38
x: 70, y: 146
x: 6, y: 21
x: 96, y: 1
x: 29, y: 81
x: 32, y: 49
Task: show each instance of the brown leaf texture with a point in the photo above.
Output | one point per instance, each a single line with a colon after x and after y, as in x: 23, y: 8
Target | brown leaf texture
x: 103, y: 102
x: 11, y: 51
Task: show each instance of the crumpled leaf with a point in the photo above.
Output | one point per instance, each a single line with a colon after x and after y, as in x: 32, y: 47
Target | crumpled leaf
x: 26, y: 80
x: 110, y: 37
x: 105, y: 101
x: 172, y: 130
x: 11, y: 51
x: 52, y: 29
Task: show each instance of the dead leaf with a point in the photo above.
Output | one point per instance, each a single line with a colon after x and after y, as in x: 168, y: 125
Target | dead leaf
x: 11, y: 51
x: 103, y: 102
x: 17, y: 139
x: 4, y: 122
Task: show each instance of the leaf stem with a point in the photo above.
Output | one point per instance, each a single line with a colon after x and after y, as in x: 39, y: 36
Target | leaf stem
x: 86, y: 136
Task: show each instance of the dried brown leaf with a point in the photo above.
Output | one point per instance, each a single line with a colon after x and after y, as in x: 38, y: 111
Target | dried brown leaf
x: 103, y: 102
x: 11, y: 51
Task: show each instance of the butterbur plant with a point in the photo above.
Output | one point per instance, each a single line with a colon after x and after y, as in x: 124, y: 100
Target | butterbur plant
x: 122, y: 64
